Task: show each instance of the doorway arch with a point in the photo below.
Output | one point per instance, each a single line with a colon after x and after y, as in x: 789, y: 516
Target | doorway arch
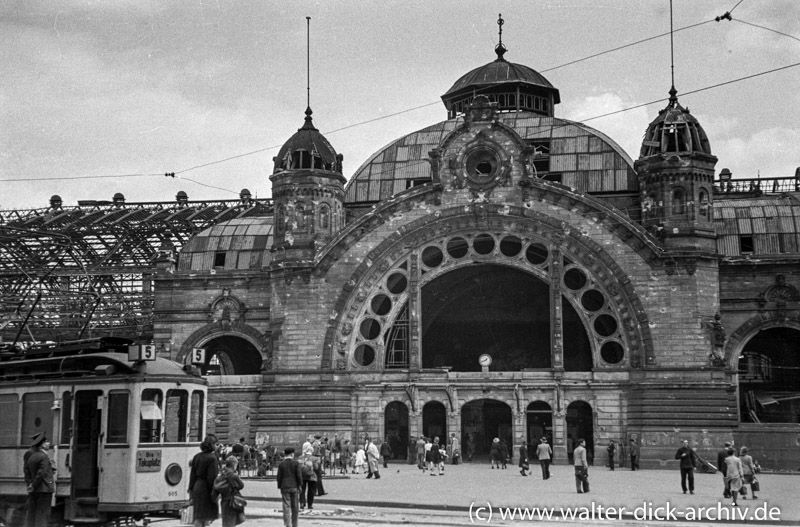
x: 539, y: 423
x: 231, y: 355
x: 434, y: 421
x: 481, y: 421
x: 395, y: 426
x: 580, y: 425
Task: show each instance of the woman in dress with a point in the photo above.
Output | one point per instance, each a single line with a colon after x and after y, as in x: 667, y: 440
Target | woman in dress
x: 227, y: 484
x: 494, y: 452
x: 733, y: 474
x: 201, y: 483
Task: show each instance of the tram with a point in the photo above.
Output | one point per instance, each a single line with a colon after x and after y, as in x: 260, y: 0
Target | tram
x: 124, y: 425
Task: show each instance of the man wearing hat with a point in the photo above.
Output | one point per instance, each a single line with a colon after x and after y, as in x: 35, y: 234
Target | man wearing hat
x: 39, y: 478
x: 721, y: 455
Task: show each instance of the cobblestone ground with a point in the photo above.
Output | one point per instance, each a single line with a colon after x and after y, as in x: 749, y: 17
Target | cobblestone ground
x: 474, y: 494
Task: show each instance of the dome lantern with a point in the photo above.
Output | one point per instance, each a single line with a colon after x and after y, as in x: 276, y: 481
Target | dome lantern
x: 674, y: 131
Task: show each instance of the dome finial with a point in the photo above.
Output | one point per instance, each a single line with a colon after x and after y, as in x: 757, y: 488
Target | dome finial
x: 308, y: 125
x: 500, y: 49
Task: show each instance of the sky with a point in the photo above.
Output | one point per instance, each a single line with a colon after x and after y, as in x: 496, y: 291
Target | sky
x: 105, y: 96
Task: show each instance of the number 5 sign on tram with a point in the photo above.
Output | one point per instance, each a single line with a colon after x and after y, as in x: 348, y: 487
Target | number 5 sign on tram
x: 198, y: 356
x: 141, y: 352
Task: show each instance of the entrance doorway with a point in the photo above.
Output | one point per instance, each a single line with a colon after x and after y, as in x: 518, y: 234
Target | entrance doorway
x: 580, y: 426
x: 481, y: 422
x: 231, y: 355
x: 539, y: 423
x: 434, y: 421
x: 396, y: 428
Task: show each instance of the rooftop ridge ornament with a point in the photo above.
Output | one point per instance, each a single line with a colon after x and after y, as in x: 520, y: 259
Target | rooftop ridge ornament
x: 500, y: 49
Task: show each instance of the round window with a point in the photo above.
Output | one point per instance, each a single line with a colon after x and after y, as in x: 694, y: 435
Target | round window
x: 605, y: 325
x: 510, y: 246
x: 432, y: 256
x: 457, y: 247
x: 612, y: 352
x: 483, y: 244
x: 536, y: 253
x: 364, y: 355
x: 381, y: 304
x: 574, y: 279
x: 481, y: 164
x: 592, y: 300
x: 396, y: 283
x: 370, y: 328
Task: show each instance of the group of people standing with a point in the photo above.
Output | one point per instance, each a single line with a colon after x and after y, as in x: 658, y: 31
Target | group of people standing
x: 544, y: 453
x: 737, y: 471
x: 212, y: 489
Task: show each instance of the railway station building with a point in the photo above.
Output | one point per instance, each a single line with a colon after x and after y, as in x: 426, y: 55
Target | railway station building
x: 501, y: 273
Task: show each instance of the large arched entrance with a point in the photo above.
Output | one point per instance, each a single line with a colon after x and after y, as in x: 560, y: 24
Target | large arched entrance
x: 539, y: 417
x: 769, y: 377
x: 231, y: 355
x: 580, y: 425
x: 434, y: 421
x: 396, y: 428
x: 481, y: 422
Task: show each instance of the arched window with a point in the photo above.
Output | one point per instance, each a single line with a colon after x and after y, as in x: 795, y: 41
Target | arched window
x: 299, y: 218
x: 678, y: 202
x: 280, y: 219
x: 705, y: 206
x: 324, y: 217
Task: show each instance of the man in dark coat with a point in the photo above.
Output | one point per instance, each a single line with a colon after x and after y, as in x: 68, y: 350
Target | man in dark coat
x: 38, y: 471
x: 612, y: 450
x: 634, y: 455
x: 688, y: 460
x: 290, y: 481
x: 386, y: 451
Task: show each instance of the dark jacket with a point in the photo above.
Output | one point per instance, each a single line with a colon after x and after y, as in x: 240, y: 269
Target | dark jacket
x: 386, y: 449
x: 721, y: 455
x: 39, y: 472
x: 687, y: 457
x: 201, y: 484
x: 289, y: 475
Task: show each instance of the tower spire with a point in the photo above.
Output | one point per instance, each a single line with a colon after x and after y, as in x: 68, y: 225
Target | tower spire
x: 308, y: 62
x: 500, y: 49
x: 673, y: 93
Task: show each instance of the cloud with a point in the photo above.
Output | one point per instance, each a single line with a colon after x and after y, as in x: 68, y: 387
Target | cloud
x: 772, y: 152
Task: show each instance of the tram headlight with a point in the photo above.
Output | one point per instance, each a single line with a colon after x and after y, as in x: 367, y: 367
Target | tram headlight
x: 173, y: 474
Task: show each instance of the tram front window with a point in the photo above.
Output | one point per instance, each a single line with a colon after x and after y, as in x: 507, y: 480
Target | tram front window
x: 177, y: 412
x: 118, y: 417
x: 151, y: 417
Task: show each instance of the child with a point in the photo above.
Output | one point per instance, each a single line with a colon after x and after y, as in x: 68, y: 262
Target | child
x: 361, y: 461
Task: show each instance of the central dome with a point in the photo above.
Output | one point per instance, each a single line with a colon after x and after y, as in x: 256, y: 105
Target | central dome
x: 307, y: 149
x: 513, y: 87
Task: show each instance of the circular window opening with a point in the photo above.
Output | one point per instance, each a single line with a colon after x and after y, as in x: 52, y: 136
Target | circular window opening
x: 173, y: 474
x: 457, y: 247
x: 592, y: 300
x: 432, y: 256
x: 605, y: 325
x: 510, y: 246
x: 612, y: 352
x: 381, y: 305
x: 574, y: 279
x: 396, y: 283
x: 483, y: 244
x: 370, y: 328
x: 536, y: 253
x: 364, y: 355
x: 484, y: 168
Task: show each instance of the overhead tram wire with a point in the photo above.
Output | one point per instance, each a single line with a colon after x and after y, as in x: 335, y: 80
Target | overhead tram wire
x: 210, y: 163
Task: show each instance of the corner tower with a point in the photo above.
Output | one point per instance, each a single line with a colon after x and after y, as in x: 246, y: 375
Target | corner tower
x: 308, y: 192
x: 676, y: 174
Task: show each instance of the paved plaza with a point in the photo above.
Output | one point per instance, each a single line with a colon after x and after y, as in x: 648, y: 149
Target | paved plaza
x: 467, y: 494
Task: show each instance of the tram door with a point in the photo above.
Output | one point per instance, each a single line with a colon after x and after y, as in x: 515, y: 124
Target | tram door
x: 85, y: 442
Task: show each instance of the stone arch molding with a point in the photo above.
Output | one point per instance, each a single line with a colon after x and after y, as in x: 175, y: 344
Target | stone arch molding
x: 739, y: 338
x: 527, y: 225
x: 221, y: 329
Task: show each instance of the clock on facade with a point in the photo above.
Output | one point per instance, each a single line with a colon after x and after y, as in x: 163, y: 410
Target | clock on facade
x: 485, y: 360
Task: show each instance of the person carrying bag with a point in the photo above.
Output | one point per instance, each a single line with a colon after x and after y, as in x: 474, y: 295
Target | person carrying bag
x: 227, y: 488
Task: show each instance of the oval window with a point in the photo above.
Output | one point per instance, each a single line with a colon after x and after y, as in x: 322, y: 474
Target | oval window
x: 536, y: 253
x: 370, y: 328
x: 592, y: 300
x: 457, y: 247
x: 612, y: 352
x: 432, y: 256
x: 510, y: 246
x: 396, y: 283
x: 605, y: 325
x: 574, y: 279
x: 483, y: 244
x: 381, y: 304
x: 364, y: 355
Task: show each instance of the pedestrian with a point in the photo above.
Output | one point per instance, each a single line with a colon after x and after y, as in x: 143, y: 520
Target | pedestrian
x: 412, y: 450
x: 494, y: 452
x: 38, y: 470
x: 581, y: 465
x: 386, y: 452
x: 634, y: 455
x: 204, y: 470
x: 290, y: 481
x: 345, y: 456
x: 545, y: 454
x: 611, y: 449
x: 309, y: 469
x: 504, y: 452
x: 455, y: 448
x: 733, y: 474
x: 721, y: 456
x: 688, y: 461
x: 308, y: 447
x: 372, y: 459
x: 428, y: 454
x: 360, y: 461
x: 523, y: 459
x: 421, y: 453
x: 226, y: 485
x: 748, y: 471
x: 436, y: 458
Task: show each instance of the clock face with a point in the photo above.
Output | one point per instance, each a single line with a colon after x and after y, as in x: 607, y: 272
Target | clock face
x: 485, y: 360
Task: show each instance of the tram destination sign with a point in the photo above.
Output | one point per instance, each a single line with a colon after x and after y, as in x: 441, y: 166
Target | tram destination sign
x: 148, y: 461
